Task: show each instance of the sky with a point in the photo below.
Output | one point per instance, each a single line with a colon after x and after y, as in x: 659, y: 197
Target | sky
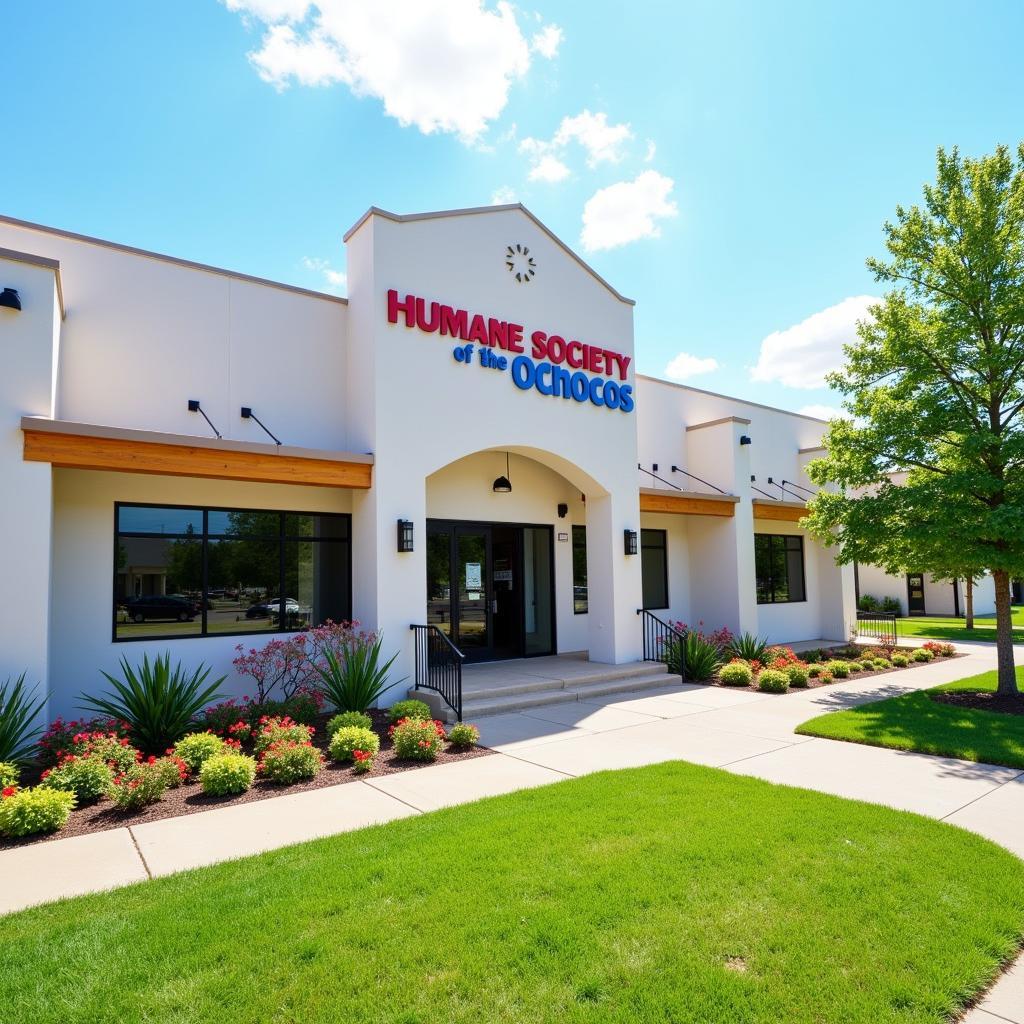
x: 727, y: 164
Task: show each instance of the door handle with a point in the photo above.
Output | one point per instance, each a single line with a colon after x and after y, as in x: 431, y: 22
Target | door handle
x: 494, y: 606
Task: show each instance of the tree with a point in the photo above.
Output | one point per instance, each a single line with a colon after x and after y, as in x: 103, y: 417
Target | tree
x: 935, y: 385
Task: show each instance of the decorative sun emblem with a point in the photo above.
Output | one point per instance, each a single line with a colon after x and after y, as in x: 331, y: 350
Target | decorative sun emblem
x: 520, y: 263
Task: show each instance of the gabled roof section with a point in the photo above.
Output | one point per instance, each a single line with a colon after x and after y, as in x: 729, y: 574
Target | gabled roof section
x: 471, y: 211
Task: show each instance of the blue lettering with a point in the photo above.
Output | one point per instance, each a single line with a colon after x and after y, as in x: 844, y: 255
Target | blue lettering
x: 524, y: 373
x: 561, y: 382
x: 595, y: 391
x: 544, y: 389
x: 580, y: 387
x: 626, y: 398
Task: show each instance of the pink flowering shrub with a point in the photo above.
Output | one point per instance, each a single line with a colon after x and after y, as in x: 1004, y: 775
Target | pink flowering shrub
x: 417, y: 739
x: 63, y: 737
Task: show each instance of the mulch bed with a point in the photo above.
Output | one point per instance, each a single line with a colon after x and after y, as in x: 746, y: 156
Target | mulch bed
x: 1000, y: 703
x: 190, y: 799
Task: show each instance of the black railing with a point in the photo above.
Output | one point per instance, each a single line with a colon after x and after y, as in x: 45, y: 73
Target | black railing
x: 663, y: 642
x: 439, y: 666
x: 880, y: 626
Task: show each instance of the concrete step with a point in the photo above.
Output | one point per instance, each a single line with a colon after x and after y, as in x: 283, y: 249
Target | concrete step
x: 618, y: 677
x: 475, y: 707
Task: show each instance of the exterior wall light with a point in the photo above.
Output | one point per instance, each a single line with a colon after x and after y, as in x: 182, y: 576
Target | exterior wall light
x: 10, y: 299
x: 404, y: 535
x: 503, y: 485
x: 563, y: 510
x: 629, y: 541
x: 744, y: 439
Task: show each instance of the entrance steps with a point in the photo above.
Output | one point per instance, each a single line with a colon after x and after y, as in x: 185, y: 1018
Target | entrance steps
x: 499, y: 687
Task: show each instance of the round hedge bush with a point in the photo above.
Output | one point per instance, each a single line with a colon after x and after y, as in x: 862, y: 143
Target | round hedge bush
x: 198, y: 747
x: 463, y: 735
x: 29, y: 811
x: 815, y: 670
x: 356, y: 718
x: 281, y: 730
x: 418, y: 740
x: 87, y: 777
x: 736, y: 673
x: 350, y: 738
x: 773, y: 680
x: 289, y: 761
x: 409, y: 709
x: 224, y: 774
x: 900, y: 660
x: 922, y: 655
x: 798, y: 675
x: 882, y: 663
x: 839, y: 669
x: 865, y: 666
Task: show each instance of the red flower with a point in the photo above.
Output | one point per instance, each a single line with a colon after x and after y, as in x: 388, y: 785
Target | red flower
x: 9, y: 791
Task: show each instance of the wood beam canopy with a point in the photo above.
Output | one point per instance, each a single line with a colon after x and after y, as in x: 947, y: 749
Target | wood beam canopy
x: 687, y: 503
x: 780, y: 511
x: 125, y: 451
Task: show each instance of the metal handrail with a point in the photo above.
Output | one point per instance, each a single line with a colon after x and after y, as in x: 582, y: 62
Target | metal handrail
x: 438, y: 665
x: 693, y: 476
x: 656, y: 477
x: 880, y: 626
x: 663, y: 642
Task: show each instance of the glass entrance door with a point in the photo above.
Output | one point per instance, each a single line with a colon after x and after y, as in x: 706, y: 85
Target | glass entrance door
x: 472, y: 579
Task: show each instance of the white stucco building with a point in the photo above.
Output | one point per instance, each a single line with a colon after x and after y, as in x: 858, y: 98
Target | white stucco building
x: 473, y: 346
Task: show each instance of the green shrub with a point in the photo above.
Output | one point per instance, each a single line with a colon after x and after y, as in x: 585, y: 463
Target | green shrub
x: 736, y: 673
x: 811, y: 657
x: 703, y: 657
x: 815, y: 670
x: 462, y: 735
x: 747, y: 647
x: 798, y: 675
x: 773, y: 680
x: 357, y: 679
x: 109, y: 747
x: 882, y: 663
x: 29, y: 811
x: 869, y: 603
x: 409, y: 709
x: 280, y: 730
x: 417, y: 740
x: 350, y: 738
x: 224, y: 774
x: 825, y: 677
x: 87, y: 777
x: 156, y: 702
x: 839, y: 669
x: 900, y: 660
x: 173, y: 770
x: 289, y: 761
x: 196, y: 747
x: 922, y: 655
x: 865, y: 666
x: 10, y: 774
x: 892, y: 605
x: 356, y: 718
x: 18, y: 710
x: 141, y: 785
x: 362, y: 761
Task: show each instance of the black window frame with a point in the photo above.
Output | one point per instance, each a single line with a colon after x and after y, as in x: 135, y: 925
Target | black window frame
x: 579, y: 540
x: 663, y: 548
x: 785, y: 539
x: 283, y: 538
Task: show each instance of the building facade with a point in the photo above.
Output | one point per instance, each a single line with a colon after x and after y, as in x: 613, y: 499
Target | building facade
x: 464, y: 443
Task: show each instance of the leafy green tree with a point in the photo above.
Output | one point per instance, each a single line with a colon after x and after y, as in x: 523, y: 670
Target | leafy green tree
x: 936, y: 388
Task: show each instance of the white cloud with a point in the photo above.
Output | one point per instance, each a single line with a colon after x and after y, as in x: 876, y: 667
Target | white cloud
x: 547, y: 41
x: 549, y: 168
x: 627, y: 211
x: 824, y: 412
x: 651, y: 150
x: 801, y: 355
x: 685, y: 366
x: 441, y: 65
x: 602, y: 141
x: 503, y: 196
x: 334, y: 280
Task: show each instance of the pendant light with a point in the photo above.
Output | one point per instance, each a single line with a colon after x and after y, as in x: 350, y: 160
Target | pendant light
x: 503, y: 485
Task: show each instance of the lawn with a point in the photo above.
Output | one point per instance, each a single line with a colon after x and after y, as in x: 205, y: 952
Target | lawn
x: 939, y: 628
x: 672, y: 893
x: 915, y: 722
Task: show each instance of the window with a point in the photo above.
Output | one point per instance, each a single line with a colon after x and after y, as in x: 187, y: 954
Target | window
x: 579, y: 570
x: 779, y: 563
x: 182, y: 572
x: 654, y: 567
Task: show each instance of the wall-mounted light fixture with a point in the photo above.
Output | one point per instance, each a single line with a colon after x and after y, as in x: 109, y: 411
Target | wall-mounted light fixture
x: 563, y: 510
x: 503, y: 485
x: 194, y: 406
x: 248, y: 414
x: 629, y: 541
x: 10, y: 299
x: 404, y: 535
x: 744, y: 439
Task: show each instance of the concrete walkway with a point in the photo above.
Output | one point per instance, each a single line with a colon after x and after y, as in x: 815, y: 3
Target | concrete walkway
x: 743, y: 732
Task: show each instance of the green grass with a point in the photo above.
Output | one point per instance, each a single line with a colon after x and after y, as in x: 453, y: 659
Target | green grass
x: 915, y: 722
x: 940, y: 628
x: 673, y: 893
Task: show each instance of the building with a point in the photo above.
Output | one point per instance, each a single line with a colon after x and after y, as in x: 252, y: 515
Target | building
x: 464, y: 443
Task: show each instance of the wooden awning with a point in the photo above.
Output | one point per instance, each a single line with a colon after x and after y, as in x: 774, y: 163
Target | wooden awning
x: 780, y: 511
x: 687, y: 503
x: 92, y: 446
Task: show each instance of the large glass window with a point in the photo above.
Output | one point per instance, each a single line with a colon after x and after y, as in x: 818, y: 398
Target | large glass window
x: 182, y: 572
x: 579, y: 570
x: 779, y: 563
x: 654, y: 567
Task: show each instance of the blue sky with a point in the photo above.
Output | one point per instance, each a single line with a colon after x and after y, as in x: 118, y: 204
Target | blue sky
x: 752, y: 150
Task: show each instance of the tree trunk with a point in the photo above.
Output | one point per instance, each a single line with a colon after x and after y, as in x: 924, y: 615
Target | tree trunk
x: 1004, y: 635
x: 969, y: 602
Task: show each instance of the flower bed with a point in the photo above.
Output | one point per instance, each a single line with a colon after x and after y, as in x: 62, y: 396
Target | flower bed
x: 189, y: 798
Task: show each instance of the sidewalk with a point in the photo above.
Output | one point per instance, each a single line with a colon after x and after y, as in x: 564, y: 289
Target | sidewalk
x: 744, y: 732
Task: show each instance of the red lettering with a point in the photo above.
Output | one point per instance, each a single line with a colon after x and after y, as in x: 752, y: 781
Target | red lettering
x: 422, y: 322
x: 539, y: 348
x: 497, y: 333
x: 556, y: 349
x: 477, y: 330
x: 453, y: 322
x: 576, y: 362
x: 515, y: 337
x: 624, y: 362
x: 395, y: 307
